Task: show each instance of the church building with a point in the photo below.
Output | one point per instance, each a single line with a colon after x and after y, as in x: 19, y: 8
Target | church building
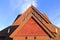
x: 31, y: 25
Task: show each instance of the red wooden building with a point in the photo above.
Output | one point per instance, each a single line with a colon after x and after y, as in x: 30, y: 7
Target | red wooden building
x: 31, y: 25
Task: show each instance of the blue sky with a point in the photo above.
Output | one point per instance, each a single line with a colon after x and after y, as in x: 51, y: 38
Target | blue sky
x: 9, y: 9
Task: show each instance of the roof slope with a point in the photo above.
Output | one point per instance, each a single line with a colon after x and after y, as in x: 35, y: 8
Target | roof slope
x: 32, y: 11
x: 26, y: 13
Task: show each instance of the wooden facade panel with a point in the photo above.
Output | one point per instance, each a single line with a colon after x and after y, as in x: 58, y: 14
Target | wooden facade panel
x: 18, y: 38
x: 32, y: 38
x: 31, y: 28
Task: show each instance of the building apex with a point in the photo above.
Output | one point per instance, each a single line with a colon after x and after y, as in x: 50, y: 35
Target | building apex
x: 31, y: 5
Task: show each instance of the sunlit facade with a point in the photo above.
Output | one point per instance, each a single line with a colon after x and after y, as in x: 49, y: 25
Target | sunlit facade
x: 31, y: 25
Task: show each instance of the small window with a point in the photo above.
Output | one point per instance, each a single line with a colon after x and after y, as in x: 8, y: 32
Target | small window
x: 23, y: 19
x: 40, y: 19
x: 26, y: 37
x: 35, y: 37
x: 32, y: 11
x: 27, y: 15
x: 37, y: 16
x: 8, y: 30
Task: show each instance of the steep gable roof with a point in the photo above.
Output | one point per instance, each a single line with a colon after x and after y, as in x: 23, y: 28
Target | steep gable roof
x: 21, y: 26
x: 21, y: 23
x: 30, y: 9
x: 46, y: 25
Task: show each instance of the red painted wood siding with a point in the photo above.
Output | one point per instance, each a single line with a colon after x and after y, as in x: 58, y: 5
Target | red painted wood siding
x: 31, y: 28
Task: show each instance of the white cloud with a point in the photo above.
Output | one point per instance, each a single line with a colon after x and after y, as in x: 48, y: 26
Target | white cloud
x: 22, y: 5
